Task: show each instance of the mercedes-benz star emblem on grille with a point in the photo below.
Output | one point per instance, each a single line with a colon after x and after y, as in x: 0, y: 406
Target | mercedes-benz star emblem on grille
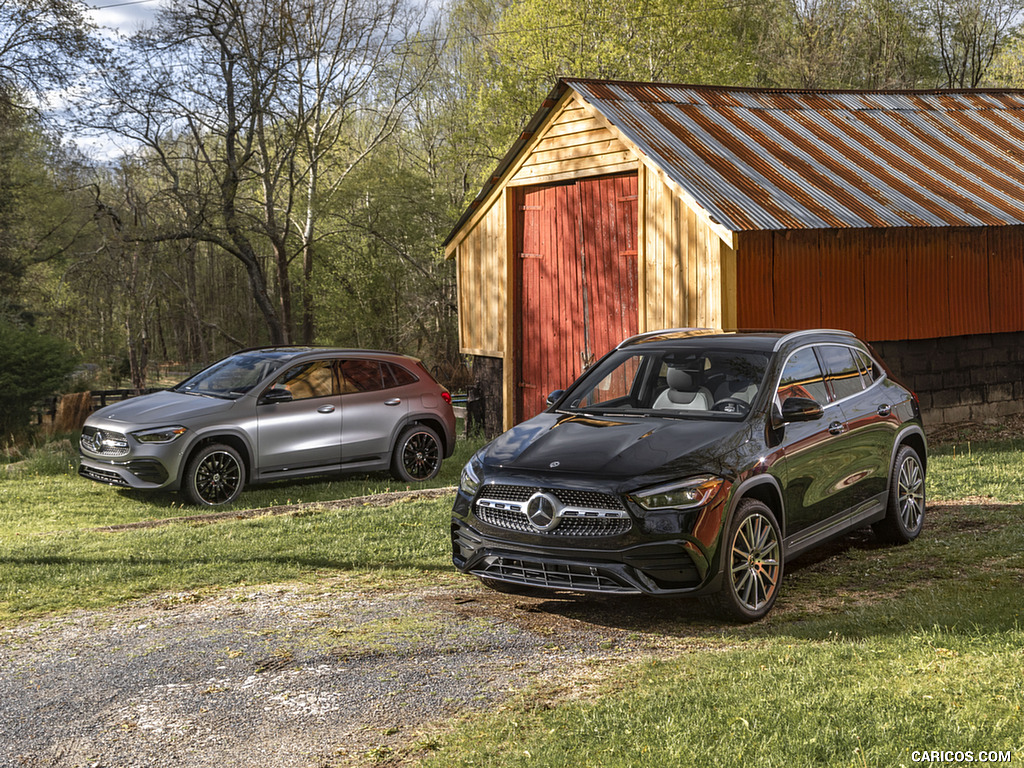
x: 97, y: 441
x: 543, y: 511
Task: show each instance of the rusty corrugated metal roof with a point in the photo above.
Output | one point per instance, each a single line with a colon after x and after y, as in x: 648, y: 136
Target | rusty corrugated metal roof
x: 771, y: 159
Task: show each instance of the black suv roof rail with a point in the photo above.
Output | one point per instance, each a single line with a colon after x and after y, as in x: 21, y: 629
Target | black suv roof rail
x: 673, y: 332
x: 812, y: 332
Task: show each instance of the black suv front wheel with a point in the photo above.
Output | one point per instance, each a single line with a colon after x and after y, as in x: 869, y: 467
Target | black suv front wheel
x: 753, y: 564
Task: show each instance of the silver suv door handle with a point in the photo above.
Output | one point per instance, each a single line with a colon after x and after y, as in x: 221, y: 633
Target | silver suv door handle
x: 837, y: 428
x: 325, y: 409
x: 393, y: 401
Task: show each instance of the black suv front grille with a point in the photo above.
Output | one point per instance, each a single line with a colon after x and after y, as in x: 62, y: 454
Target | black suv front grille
x: 583, y: 513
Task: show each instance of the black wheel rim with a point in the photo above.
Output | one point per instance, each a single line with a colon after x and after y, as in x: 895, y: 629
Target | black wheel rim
x: 755, y: 562
x: 910, y: 494
x: 421, y: 455
x: 218, y: 478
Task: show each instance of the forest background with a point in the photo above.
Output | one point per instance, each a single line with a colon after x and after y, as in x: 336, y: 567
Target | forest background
x: 285, y: 171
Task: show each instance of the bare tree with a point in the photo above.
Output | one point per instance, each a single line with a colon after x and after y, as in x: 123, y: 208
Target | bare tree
x: 350, y: 82
x: 38, y: 40
x: 970, y: 33
x: 239, y: 106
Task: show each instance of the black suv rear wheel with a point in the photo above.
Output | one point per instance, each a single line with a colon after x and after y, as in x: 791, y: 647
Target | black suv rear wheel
x: 904, y: 515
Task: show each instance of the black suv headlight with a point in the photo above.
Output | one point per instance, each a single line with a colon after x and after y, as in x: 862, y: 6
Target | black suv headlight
x: 683, y: 495
x: 472, y: 476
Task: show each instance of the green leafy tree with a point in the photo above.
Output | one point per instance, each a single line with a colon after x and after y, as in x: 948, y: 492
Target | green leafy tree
x: 32, y: 366
x: 859, y: 44
x: 534, y: 42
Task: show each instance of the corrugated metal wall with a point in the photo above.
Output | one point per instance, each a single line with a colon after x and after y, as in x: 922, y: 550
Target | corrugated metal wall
x: 904, y: 283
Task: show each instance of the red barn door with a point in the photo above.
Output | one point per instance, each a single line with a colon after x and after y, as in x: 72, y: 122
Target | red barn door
x: 576, y: 280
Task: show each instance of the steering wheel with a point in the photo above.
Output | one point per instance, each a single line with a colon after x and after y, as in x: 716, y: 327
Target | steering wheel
x: 731, y: 405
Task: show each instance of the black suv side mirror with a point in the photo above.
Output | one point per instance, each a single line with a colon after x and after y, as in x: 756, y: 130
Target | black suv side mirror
x: 801, y: 409
x: 553, y: 397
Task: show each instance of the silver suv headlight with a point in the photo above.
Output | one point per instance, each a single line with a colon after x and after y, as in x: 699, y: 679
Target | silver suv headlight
x: 159, y: 434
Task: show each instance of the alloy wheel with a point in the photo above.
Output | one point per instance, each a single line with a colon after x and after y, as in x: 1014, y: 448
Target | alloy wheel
x: 421, y: 455
x: 910, y: 493
x: 755, y: 562
x: 217, y: 477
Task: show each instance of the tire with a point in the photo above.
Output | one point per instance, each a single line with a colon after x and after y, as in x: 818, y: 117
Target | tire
x: 417, y: 454
x: 752, y: 564
x: 215, y: 475
x: 904, y: 513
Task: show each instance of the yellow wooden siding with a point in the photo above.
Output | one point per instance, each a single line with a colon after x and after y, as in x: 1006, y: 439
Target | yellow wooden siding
x: 482, y: 285
x: 574, y: 144
x: 688, y: 273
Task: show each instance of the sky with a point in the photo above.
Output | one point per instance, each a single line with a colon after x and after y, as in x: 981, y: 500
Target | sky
x: 123, y: 15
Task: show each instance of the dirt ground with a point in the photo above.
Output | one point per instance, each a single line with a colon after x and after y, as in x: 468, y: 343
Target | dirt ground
x: 292, y: 675
x: 341, y: 673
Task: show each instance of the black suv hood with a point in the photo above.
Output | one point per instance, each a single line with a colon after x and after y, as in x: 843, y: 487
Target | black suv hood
x: 616, y: 447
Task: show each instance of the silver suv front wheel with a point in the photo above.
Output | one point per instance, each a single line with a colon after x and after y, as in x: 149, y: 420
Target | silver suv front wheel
x: 215, y: 475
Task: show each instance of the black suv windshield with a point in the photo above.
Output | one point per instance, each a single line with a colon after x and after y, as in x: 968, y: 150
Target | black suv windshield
x: 233, y: 376
x: 686, y: 382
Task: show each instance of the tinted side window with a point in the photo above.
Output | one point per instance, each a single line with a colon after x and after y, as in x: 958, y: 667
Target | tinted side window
x: 841, y: 370
x: 397, y: 376
x: 306, y: 380
x: 868, y: 370
x: 802, y: 377
x: 361, y: 376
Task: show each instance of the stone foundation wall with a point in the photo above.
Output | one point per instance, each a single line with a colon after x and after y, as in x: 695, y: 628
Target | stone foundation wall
x: 961, y: 378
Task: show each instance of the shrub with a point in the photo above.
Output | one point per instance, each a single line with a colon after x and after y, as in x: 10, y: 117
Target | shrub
x: 32, y: 366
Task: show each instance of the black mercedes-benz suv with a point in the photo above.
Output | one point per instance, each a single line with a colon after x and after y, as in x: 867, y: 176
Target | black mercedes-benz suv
x: 696, y: 462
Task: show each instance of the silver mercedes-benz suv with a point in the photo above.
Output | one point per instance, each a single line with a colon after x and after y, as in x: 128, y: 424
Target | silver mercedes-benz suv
x: 272, y: 413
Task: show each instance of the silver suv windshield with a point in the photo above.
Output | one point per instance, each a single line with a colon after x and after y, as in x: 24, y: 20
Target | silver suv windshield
x: 685, y: 383
x: 233, y: 376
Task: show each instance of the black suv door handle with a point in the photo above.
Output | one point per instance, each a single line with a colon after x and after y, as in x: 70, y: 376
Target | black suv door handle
x: 837, y: 428
x: 884, y: 410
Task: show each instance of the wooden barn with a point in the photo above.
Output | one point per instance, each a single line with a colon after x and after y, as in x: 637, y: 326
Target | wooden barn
x: 627, y: 207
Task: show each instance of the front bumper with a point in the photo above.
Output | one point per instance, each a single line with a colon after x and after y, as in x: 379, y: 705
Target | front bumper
x: 656, y: 568
x: 142, y: 474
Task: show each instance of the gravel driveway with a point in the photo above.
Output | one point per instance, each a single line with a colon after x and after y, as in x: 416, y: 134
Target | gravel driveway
x: 292, y: 675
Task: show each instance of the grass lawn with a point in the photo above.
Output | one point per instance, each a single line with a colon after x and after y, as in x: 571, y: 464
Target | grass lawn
x: 872, y: 654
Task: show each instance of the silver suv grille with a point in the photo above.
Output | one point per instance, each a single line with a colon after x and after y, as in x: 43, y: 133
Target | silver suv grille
x: 103, y: 442
x: 582, y: 513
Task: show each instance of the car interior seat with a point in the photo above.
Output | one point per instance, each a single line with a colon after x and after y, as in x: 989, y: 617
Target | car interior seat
x: 684, y: 392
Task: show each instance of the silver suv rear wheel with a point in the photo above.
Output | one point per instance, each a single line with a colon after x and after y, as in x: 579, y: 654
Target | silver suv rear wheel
x: 417, y: 454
